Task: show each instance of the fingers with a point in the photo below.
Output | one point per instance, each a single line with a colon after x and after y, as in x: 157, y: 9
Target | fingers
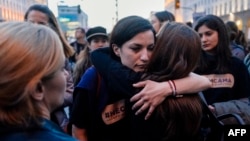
x: 142, y: 105
x: 211, y: 108
x: 135, y: 97
x: 142, y: 109
x: 140, y: 84
x: 138, y: 104
x: 150, y: 111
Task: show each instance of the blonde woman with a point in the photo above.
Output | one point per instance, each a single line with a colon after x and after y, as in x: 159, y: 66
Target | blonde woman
x: 41, y: 14
x: 32, y: 84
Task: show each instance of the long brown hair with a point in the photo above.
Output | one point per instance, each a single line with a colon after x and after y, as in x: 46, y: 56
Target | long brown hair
x: 176, y: 54
x: 223, y: 53
x: 82, y: 64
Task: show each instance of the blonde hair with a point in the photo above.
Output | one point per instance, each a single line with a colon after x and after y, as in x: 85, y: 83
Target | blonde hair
x: 32, y: 53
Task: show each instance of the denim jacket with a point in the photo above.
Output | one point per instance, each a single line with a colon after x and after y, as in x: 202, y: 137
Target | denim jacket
x: 48, y: 131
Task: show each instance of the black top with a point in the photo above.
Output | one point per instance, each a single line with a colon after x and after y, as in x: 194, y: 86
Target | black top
x: 120, y: 79
x: 99, y: 110
x: 233, y: 84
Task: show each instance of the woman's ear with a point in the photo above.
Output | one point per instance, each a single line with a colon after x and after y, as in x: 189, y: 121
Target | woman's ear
x: 88, y: 45
x: 116, y: 50
x: 39, y: 92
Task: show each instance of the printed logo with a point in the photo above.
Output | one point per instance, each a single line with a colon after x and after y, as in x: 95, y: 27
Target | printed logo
x: 221, y: 80
x: 114, y: 112
x: 236, y: 132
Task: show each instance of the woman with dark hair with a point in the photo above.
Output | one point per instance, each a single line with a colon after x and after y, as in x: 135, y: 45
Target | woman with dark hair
x: 175, y: 56
x: 170, y: 60
x: 236, y: 49
x: 41, y: 14
x: 158, y: 18
x: 229, y: 76
x: 241, y: 40
x: 98, y: 113
x: 96, y: 37
x: 132, y: 46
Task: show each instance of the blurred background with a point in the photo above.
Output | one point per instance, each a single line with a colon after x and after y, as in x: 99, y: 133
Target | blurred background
x: 89, y: 13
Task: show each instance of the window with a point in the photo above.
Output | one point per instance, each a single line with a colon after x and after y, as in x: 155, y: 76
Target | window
x: 230, y: 6
x: 242, y: 3
x: 236, y: 5
x: 221, y: 10
x: 216, y: 10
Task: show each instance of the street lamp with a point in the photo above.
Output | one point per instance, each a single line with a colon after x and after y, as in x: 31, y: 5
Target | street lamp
x: 116, y: 10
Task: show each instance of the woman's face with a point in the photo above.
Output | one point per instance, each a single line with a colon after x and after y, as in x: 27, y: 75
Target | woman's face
x: 55, y: 88
x: 155, y: 23
x: 136, y: 52
x: 209, y: 38
x: 37, y: 17
x: 98, y: 42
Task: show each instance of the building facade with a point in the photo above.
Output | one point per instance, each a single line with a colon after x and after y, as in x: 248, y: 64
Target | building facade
x: 233, y: 10
x: 71, y: 17
x: 170, y: 6
x: 14, y: 10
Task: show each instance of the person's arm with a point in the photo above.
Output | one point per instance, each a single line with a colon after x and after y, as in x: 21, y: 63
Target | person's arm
x: 81, y: 110
x: 192, y: 84
x: 79, y: 114
x: 231, y: 106
x: 117, y: 76
x: 79, y: 133
x: 154, y: 93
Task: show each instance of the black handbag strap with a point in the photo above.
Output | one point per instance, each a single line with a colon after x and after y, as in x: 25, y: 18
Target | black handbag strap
x: 207, y: 111
x: 213, y: 127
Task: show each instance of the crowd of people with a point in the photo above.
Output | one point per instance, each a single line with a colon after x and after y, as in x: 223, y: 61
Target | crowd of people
x: 138, y: 83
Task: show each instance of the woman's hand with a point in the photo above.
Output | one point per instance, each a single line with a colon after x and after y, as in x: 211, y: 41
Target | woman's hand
x: 153, y: 94
x: 212, y: 109
x: 79, y: 133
